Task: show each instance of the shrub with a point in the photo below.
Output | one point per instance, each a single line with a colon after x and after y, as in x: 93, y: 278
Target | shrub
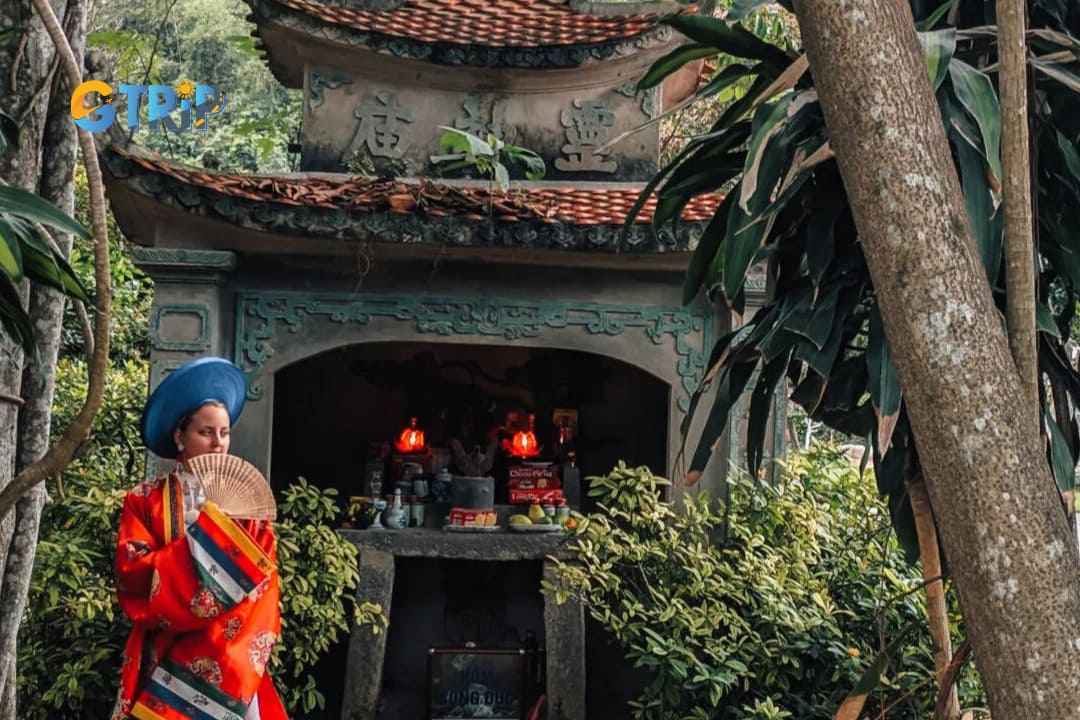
x: 771, y: 611
x: 319, y: 573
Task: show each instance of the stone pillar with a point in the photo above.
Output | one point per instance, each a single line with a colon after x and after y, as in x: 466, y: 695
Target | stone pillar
x: 191, y: 315
x: 364, y: 667
x: 564, y: 631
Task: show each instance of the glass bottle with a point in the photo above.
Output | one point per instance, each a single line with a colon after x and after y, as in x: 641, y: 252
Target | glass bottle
x: 562, y: 512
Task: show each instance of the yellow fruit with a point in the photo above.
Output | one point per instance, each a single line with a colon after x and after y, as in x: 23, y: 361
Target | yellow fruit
x: 536, y: 512
x: 520, y: 520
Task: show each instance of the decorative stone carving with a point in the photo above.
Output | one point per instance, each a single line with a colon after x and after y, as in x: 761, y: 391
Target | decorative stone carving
x: 480, y: 121
x: 266, y: 319
x: 319, y: 81
x: 587, y: 123
x: 384, y: 127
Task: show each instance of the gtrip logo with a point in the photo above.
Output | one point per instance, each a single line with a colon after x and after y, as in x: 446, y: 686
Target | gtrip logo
x: 93, y: 106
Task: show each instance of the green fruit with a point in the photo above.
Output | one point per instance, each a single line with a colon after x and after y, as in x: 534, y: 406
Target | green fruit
x: 544, y: 521
x: 520, y: 520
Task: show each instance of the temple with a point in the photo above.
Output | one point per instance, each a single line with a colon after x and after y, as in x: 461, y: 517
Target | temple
x: 375, y: 285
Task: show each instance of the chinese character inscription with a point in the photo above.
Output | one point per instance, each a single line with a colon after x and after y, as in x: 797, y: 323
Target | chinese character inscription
x: 587, y: 124
x: 384, y: 127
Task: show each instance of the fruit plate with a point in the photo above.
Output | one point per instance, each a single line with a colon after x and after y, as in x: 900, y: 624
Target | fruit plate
x: 534, y: 528
x: 472, y: 528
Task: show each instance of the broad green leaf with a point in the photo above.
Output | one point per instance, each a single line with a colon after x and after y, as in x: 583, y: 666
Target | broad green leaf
x: 674, y: 60
x: 13, y: 317
x: 761, y: 405
x: 9, y: 133
x: 706, y: 250
x: 704, y: 174
x: 938, y: 47
x: 730, y: 40
x: 820, y: 240
x: 460, y: 141
x: 1044, y: 320
x: 932, y: 19
x: 27, y: 205
x: 718, y: 138
x: 1061, y: 459
x: 10, y: 254
x: 814, y: 320
x: 1068, y: 154
x: 884, y: 382
x: 727, y: 394
x: 976, y: 93
x: 45, y: 266
x: 725, y: 78
x: 535, y: 168
x: 1058, y: 72
x: 980, y: 207
x: 768, y: 121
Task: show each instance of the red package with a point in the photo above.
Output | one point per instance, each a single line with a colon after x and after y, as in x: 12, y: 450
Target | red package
x: 524, y: 496
x: 529, y: 477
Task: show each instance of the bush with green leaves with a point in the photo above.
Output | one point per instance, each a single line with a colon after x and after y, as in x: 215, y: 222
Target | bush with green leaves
x: 319, y: 573
x: 73, y: 631
x: 773, y: 609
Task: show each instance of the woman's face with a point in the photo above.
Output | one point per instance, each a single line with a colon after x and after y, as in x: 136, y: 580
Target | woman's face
x: 208, y: 432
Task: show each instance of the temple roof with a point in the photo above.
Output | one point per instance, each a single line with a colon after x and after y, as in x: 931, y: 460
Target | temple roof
x: 507, y: 33
x: 346, y: 207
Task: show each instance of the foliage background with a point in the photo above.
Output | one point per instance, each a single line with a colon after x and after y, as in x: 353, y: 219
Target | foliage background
x: 771, y: 610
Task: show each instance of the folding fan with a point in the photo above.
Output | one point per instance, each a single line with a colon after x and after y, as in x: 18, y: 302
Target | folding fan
x: 235, y: 485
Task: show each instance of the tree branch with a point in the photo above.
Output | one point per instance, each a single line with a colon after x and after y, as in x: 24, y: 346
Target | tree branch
x: 61, y: 454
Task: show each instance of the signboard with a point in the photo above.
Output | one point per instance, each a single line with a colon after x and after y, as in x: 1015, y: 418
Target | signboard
x: 466, y: 683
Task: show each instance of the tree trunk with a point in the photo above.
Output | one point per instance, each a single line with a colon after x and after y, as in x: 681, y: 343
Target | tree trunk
x: 1016, y: 192
x: 24, y: 67
x: 1003, y: 530
x: 45, y: 164
x: 59, y: 146
x: 937, y: 608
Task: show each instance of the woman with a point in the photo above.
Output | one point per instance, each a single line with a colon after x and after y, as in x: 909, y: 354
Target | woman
x: 201, y: 588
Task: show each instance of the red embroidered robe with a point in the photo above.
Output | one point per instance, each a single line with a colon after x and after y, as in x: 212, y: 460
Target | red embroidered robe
x: 205, y: 604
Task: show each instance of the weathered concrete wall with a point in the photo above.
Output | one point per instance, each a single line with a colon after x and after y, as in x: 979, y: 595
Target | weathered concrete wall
x: 384, y: 116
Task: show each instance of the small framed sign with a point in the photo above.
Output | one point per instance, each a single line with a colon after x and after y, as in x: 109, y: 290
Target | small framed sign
x: 466, y: 683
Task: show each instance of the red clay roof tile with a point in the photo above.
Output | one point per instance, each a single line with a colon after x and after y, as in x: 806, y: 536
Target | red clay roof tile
x: 570, y: 205
x: 507, y: 23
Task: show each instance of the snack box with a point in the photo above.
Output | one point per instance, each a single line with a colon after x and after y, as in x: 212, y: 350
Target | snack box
x: 528, y: 477
x: 524, y: 496
x: 472, y: 518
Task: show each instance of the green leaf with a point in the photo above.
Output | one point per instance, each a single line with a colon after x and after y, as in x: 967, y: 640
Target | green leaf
x: 932, y: 19
x: 9, y: 133
x: 674, y: 60
x: 13, y: 317
x: 980, y: 206
x: 938, y: 47
x: 1044, y: 320
x: 725, y: 78
x: 727, y: 394
x: 10, y: 254
x: 29, y: 206
x: 760, y: 409
x: 820, y: 240
x: 1068, y: 154
x: 1058, y: 72
x: 1061, y: 459
x: 884, y: 383
x: 731, y: 40
x: 709, y: 244
x: 456, y: 140
x: 976, y: 93
x: 45, y: 266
